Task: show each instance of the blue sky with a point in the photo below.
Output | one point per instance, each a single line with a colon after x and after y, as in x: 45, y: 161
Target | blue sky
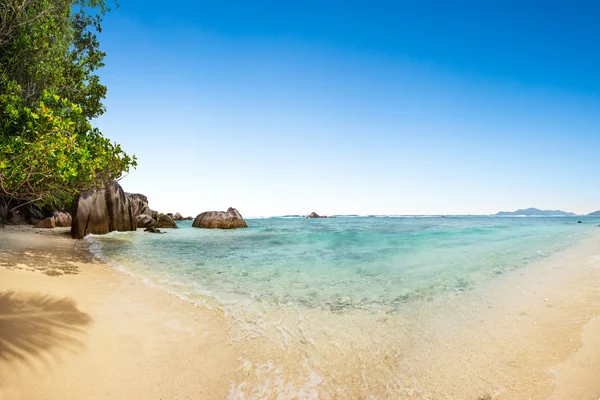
x: 429, y: 107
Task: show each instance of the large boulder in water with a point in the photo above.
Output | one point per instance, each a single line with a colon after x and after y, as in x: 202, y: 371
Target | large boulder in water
x: 139, y: 202
x: 229, y: 219
x: 166, y: 221
x: 102, y: 211
x: 62, y: 218
x: 145, y: 221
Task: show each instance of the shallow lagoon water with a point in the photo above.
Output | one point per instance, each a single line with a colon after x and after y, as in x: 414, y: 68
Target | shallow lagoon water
x: 353, y: 307
x: 336, y: 263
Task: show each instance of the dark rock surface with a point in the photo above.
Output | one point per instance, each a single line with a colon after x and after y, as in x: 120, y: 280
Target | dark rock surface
x: 230, y: 219
x: 145, y: 221
x: 153, y: 230
x: 315, y: 215
x: 102, y: 211
x: 166, y: 221
x: 178, y: 217
x: 139, y: 202
x: 19, y: 212
x: 16, y: 217
x: 3, y: 213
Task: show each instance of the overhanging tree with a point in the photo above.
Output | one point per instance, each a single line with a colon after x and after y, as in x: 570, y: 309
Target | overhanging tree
x: 49, y: 92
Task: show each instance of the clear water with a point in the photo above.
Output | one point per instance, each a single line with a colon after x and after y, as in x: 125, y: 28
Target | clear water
x: 338, y: 264
x: 353, y: 307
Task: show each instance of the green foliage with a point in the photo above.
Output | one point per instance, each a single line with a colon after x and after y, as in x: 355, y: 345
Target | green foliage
x: 49, y: 91
x: 52, y: 152
x: 54, y: 46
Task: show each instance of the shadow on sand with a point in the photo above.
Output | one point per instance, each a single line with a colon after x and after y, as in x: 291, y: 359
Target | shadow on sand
x: 35, y: 326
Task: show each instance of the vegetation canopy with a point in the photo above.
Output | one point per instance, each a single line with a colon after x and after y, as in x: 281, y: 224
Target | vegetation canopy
x: 49, y: 93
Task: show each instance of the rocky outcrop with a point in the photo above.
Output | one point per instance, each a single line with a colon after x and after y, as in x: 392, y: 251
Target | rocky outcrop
x: 139, y: 202
x: 102, y: 211
x: 47, y: 223
x: 229, y: 219
x: 148, y: 218
x: 19, y: 212
x: 166, y: 221
x: 179, y: 217
x: 63, y: 219
x: 120, y: 211
x: 145, y: 221
x: 31, y: 211
x: 152, y: 230
x: 16, y: 217
x: 315, y: 215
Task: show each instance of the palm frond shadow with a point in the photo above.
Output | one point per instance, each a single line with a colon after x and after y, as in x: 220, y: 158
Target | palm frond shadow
x: 36, y: 326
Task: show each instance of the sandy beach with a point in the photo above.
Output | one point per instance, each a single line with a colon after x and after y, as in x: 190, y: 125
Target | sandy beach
x: 72, y: 327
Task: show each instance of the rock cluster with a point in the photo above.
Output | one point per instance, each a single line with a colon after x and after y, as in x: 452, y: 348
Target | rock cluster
x: 102, y: 211
x: 139, y: 202
x: 145, y: 221
x: 108, y: 209
x: 145, y: 217
x: 229, y: 219
x: 19, y: 212
x: 179, y: 217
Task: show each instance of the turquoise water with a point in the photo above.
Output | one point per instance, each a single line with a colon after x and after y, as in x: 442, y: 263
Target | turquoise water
x: 338, y: 264
x: 355, y: 307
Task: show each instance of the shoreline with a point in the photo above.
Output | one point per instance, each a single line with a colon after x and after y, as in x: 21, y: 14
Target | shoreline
x: 96, y: 333
x: 142, y: 342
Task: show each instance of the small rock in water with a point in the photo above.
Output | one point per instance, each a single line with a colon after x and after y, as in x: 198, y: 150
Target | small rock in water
x: 579, y: 222
x: 153, y: 230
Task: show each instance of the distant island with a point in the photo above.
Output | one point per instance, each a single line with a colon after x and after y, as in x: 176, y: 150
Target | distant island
x: 536, y: 211
x: 595, y: 214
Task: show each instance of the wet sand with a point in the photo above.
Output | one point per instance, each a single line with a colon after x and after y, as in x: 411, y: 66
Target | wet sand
x: 72, y: 327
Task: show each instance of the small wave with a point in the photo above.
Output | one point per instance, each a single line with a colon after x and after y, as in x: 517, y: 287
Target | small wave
x: 268, y: 381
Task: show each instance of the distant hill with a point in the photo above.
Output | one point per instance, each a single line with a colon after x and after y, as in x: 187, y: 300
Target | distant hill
x: 535, y: 211
x: 595, y: 213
